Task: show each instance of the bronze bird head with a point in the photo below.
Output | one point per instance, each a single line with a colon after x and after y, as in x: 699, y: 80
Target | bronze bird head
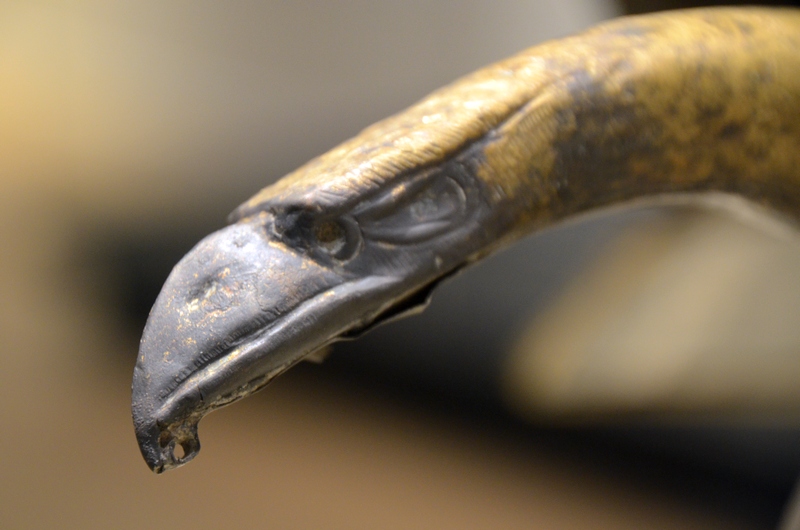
x: 676, y: 103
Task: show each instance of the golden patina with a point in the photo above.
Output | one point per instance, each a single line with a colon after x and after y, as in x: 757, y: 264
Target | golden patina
x: 704, y: 100
x: 677, y: 101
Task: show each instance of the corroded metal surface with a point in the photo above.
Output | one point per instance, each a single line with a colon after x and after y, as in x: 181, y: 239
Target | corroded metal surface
x: 684, y: 102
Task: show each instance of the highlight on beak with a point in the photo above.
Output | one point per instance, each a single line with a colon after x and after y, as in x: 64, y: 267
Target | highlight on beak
x: 287, y: 279
x: 234, y: 313
x: 363, y: 232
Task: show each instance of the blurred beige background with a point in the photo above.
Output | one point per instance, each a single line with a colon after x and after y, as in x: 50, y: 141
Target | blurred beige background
x: 127, y: 121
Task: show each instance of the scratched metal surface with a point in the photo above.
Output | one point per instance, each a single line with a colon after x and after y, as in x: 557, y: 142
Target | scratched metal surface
x: 642, y: 107
x: 133, y: 126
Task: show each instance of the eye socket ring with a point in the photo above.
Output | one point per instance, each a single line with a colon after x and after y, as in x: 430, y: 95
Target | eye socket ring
x: 338, y: 238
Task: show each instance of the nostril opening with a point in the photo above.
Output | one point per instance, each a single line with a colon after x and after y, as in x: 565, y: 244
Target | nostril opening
x: 179, y: 451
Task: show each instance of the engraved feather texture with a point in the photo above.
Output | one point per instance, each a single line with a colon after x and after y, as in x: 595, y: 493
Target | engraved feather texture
x: 699, y: 99
x: 704, y: 100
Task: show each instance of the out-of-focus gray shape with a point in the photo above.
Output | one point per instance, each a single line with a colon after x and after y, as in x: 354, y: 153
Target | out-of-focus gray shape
x: 695, y: 314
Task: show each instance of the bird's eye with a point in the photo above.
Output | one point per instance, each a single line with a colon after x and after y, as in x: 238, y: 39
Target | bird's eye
x: 325, y: 237
x: 339, y: 238
x: 331, y: 236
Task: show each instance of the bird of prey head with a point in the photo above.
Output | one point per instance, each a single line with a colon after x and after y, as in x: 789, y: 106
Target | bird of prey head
x: 679, y: 102
x: 340, y: 245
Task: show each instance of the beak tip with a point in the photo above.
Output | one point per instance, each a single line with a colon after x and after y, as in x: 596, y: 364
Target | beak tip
x: 164, y: 450
x: 148, y: 434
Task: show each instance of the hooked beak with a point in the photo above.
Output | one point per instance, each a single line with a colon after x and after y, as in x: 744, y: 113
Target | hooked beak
x: 238, y: 310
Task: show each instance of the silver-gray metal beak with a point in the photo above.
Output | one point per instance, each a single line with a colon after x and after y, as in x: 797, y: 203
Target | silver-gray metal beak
x: 239, y: 309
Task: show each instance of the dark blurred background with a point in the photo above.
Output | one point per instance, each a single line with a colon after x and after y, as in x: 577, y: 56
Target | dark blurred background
x: 634, y: 370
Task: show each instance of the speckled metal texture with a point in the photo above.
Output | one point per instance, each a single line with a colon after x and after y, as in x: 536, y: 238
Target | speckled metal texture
x: 682, y: 102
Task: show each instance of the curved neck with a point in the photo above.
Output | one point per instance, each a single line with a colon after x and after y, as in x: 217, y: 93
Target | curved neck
x: 650, y: 106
